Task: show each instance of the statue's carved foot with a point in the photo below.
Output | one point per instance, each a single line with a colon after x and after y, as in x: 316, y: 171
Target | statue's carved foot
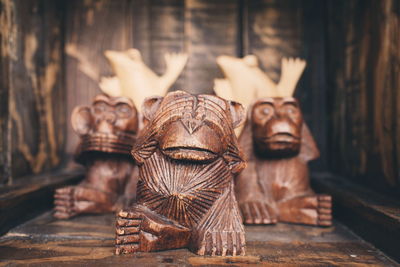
x: 73, y: 200
x: 140, y: 229
x: 221, y: 243
x: 313, y: 210
x: 256, y: 212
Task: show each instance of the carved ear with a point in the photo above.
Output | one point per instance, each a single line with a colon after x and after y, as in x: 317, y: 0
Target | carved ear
x: 309, y: 150
x: 237, y: 113
x: 81, y: 120
x: 150, y: 106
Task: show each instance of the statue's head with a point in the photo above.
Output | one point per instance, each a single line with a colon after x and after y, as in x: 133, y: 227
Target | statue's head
x: 191, y: 128
x: 108, y: 125
x: 277, y: 127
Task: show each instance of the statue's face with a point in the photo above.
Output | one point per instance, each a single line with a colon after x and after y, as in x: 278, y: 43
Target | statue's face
x: 114, y: 115
x: 276, y: 126
x: 190, y: 128
x: 108, y: 125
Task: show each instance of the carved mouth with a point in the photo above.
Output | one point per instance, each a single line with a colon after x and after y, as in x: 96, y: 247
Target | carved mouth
x: 282, y: 138
x: 190, y: 153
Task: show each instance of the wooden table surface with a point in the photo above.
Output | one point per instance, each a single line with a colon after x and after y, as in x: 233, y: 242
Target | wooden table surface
x: 89, y: 241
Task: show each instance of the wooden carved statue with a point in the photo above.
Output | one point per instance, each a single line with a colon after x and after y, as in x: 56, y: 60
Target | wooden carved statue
x: 187, y: 156
x: 107, y: 130
x: 278, y: 145
x: 137, y: 81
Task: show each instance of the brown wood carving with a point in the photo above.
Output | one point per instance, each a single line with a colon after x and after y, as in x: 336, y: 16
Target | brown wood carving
x: 275, y: 185
x: 187, y: 156
x: 107, y: 130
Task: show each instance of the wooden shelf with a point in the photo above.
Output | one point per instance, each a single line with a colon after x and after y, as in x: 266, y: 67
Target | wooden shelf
x: 89, y: 241
x: 373, y: 216
x: 23, y: 201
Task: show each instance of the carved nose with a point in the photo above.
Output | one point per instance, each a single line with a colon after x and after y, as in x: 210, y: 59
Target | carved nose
x: 105, y: 127
x: 109, y: 117
x: 282, y: 126
x: 191, y: 125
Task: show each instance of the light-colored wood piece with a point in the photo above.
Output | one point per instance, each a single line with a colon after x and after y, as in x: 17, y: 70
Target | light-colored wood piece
x: 137, y: 81
x: 245, y: 81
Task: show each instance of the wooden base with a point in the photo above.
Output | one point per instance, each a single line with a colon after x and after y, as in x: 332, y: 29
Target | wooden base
x: 89, y: 240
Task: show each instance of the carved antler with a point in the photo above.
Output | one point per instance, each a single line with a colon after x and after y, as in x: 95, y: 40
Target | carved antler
x: 292, y: 68
x: 137, y: 81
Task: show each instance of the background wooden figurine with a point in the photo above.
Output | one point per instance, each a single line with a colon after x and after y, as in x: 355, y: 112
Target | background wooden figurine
x: 107, y: 130
x: 187, y: 156
x: 278, y: 145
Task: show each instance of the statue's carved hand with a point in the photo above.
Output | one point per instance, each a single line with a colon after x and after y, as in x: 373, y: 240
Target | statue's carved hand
x: 313, y: 210
x: 72, y: 200
x: 222, y: 243
x: 257, y: 212
x: 140, y: 229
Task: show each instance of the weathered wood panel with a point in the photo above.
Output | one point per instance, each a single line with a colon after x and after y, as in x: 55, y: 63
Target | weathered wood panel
x: 33, y: 86
x: 364, y: 62
x: 211, y: 29
x: 7, y: 37
x: 273, y: 29
x: 89, y: 241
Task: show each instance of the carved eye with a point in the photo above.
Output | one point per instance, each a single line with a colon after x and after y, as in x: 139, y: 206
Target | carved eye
x: 291, y: 109
x: 264, y: 110
x: 124, y: 110
x: 100, y: 107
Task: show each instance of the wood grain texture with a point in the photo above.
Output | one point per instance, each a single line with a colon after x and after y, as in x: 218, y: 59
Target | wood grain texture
x: 7, y: 36
x: 210, y: 30
x: 88, y: 240
x: 363, y: 66
x: 35, y: 85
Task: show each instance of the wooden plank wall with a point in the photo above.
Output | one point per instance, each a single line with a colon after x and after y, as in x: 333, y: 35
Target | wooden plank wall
x: 363, y: 40
x: 52, y: 59
x: 203, y: 29
x: 33, y: 108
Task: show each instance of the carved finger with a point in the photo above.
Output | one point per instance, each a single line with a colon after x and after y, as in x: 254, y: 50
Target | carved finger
x: 63, y: 209
x: 65, y: 190
x: 126, y: 249
x: 224, y: 243
x: 255, y: 213
x: 324, y: 211
x: 246, y: 213
x: 325, y: 222
x: 127, y: 239
x: 128, y: 222
x: 326, y: 198
x: 126, y: 230
x: 208, y: 244
x: 63, y: 215
x: 63, y: 196
x: 130, y: 214
x: 265, y: 213
x: 241, y: 243
x: 64, y: 203
x: 214, y: 243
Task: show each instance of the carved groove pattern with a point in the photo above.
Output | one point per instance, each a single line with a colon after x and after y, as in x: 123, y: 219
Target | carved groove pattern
x: 181, y: 191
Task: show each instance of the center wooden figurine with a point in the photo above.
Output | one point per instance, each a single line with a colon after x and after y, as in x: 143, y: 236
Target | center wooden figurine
x: 187, y: 156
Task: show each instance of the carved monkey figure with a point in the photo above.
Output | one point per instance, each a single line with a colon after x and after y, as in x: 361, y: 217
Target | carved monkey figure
x: 107, y: 130
x: 275, y: 185
x: 187, y: 156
